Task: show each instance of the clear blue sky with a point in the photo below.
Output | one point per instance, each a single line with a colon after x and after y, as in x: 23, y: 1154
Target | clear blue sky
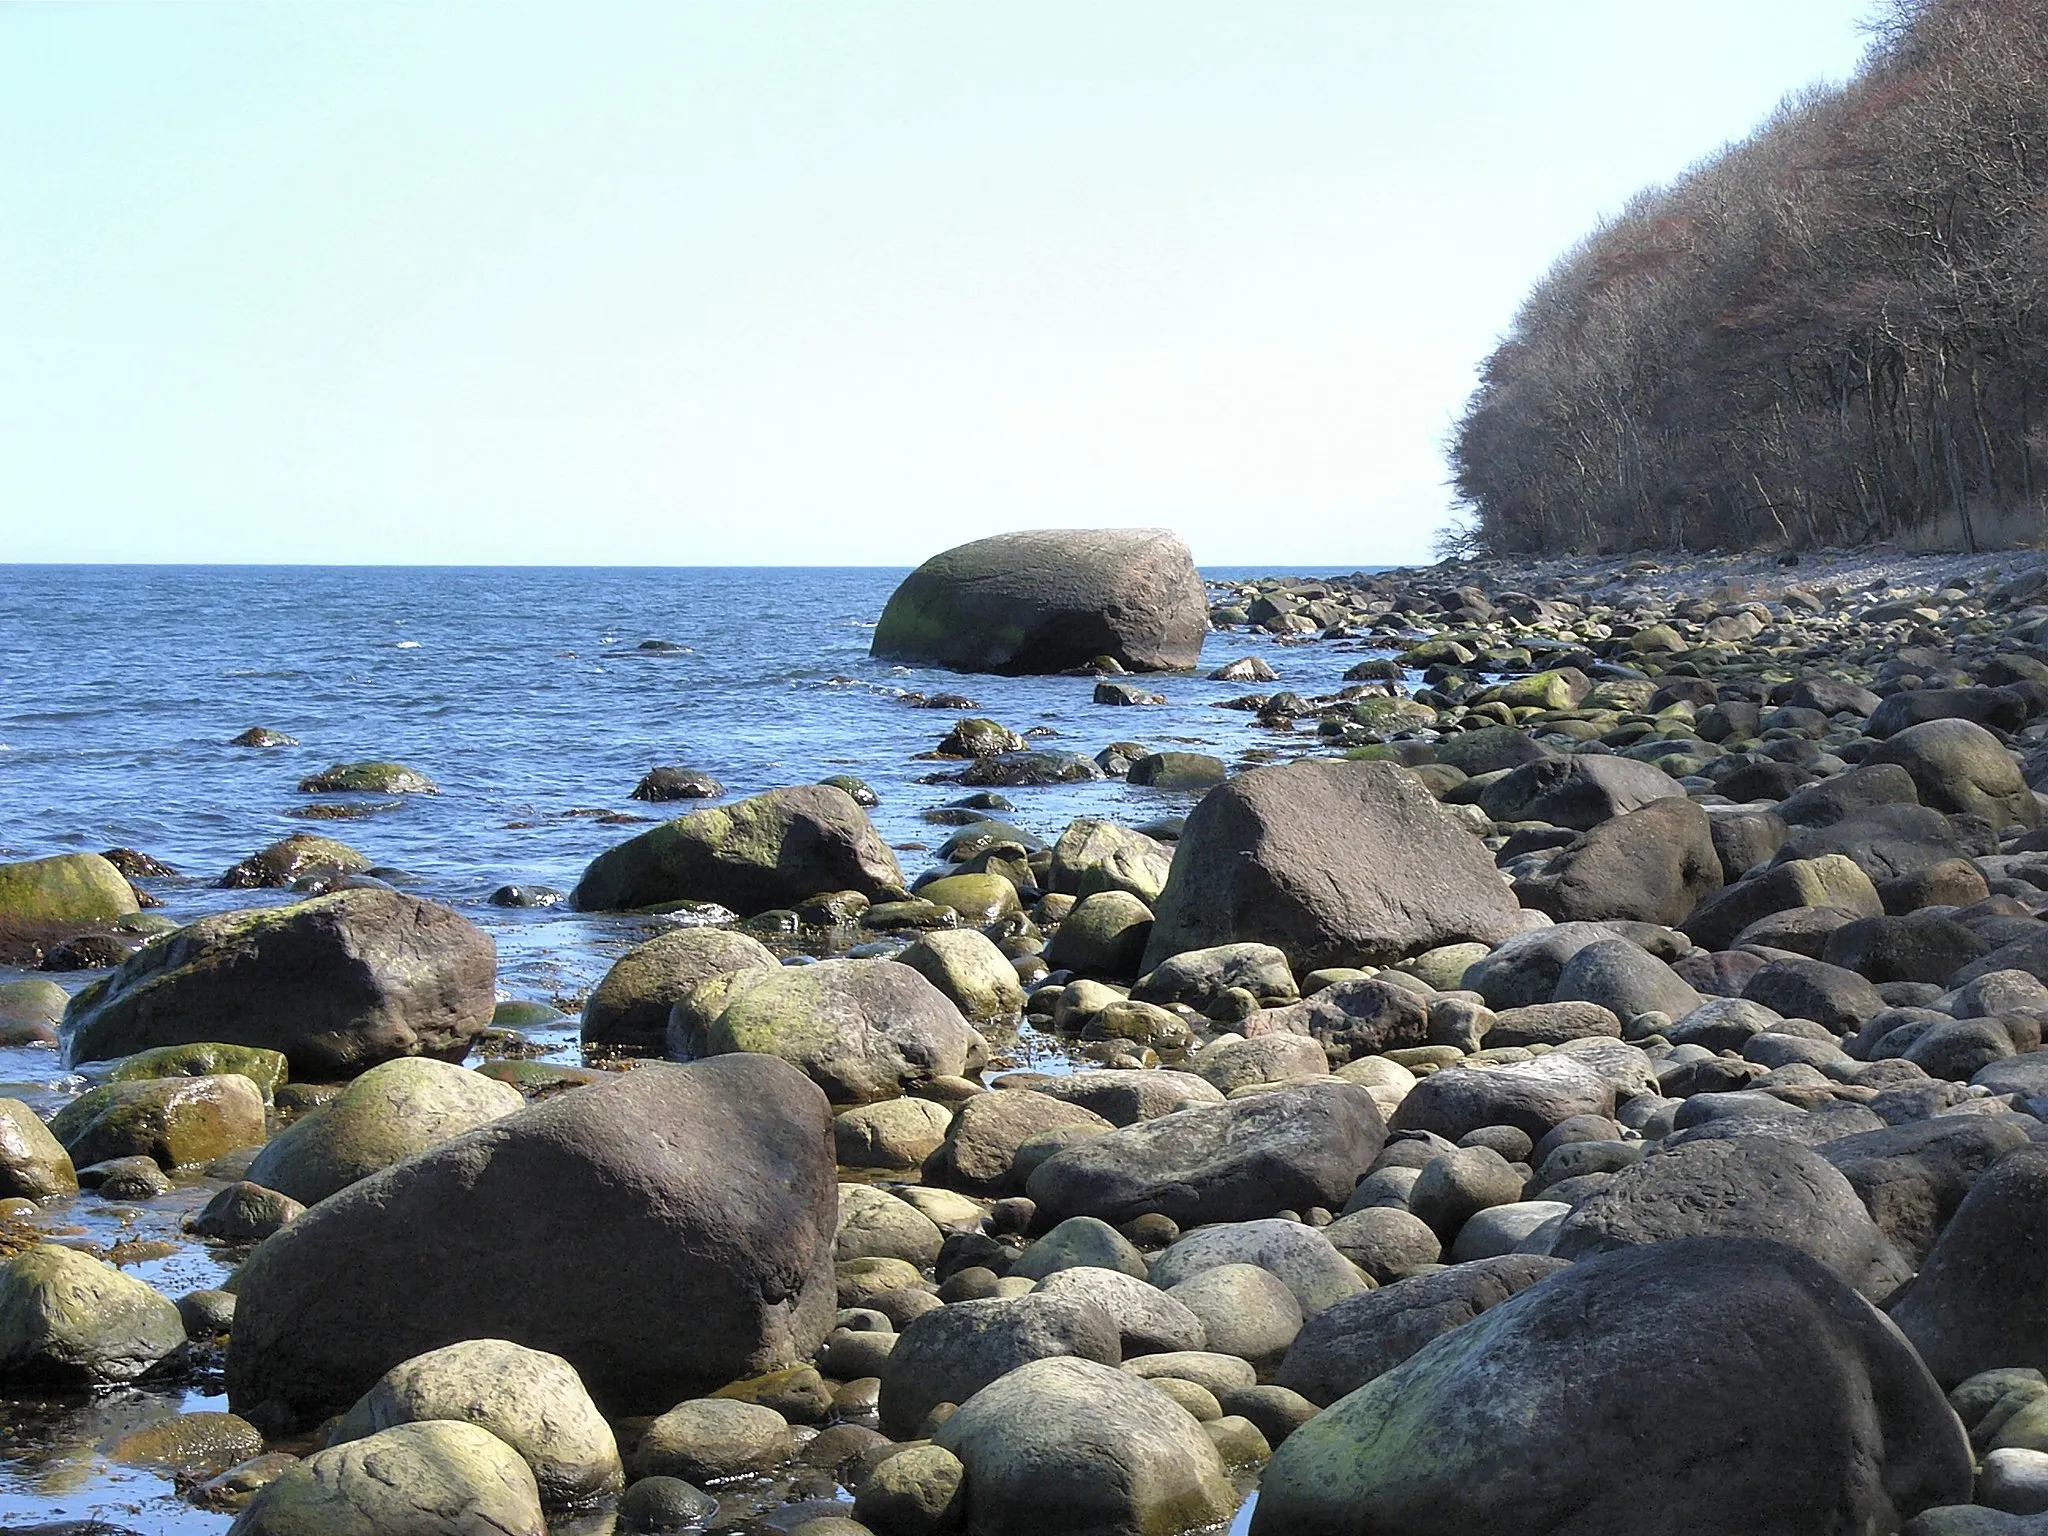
x: 747, y: 282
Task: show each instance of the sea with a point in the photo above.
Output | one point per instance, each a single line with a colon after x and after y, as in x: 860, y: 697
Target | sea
x: 530, y: 697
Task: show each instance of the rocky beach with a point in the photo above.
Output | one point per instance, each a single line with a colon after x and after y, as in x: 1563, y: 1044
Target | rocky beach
x: 1549, y: 1045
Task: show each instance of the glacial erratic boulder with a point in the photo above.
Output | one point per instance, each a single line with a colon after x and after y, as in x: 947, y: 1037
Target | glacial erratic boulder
x: 1049, y: 600
x: 1335, y: 863
x: 768, y: 850
x: 666, y: 1231
x: 338, y: 984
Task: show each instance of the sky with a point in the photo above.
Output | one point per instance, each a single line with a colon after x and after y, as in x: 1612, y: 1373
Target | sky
x: 748, y: 282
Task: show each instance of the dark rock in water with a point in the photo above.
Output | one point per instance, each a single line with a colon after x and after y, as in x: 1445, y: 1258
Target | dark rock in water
x: 375, y: 778
x: 859, y: 791
x: 1026, y: 770
x: 244, y: 1213
x: 1363, y: 1337
x: 338, y: 984
x: 676, y: 784
x: 260, y: 736
x: 91, y: 952
x: 360, y: 810
x: 1290, y: 1149
x: 1804, y: 1414
x: 977, y: 738
x: 766, y: 851
x: 1178, y: 770
x: 1047, y: 601
x: 294, y: 858
x: 1107, y: 692
x: 1980, y: 1301
x: 1254, y: 669
x: 527, y: 896
x: 1336, y: 863
x: 137, y: 866
x: 666, y: 1231
x: 1745, y: 1186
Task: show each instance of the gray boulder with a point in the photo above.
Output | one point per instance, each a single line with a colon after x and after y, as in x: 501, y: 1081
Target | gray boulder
x: 386, y: 1115
x: 1579, y: 792
x: 1743, y: 1186
x: 437, y: 1478
x: 578, y: 1226
x: 532, y: 1401
x: 948, y: 1355
x: 1651, y: 865
x: 1300, y: 1257
x: 68, y: 1321
x: 1960, y: 767
x: 1049, y: 600
x: 1360, y: 1340
x: 1062, y: 1447
x: 1804, y: 1413
x: 338, y: 984
x: 1335, y: 863
x: 1289, y: 1149
x: 1980, y: 1301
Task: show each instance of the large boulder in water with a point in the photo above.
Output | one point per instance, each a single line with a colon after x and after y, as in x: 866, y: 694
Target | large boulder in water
x: 666, y: 1232
x: 1790, y: 1409
x: 338, y: 984
x: 860, y: 1029
x: 1336, y: 863
x: 1290, y: 1149
x: 770, y: 850
x: 1048, y: 600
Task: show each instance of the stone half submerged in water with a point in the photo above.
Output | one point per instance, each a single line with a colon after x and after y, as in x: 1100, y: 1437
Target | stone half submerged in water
x: 1050, y: 600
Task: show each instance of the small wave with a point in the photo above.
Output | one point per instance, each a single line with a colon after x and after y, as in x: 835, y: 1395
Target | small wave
x: 407, y: 645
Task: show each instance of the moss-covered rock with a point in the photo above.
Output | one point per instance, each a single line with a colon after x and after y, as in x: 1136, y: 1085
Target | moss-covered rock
x: 860, y: 1029
x: 765, y: 851
x: 33, y: 1163
x: 290, y: 859
x: 179, y: 1121
x: 369, y: 778
x: 423, y: 1479
x: 629, y: 1008
x: 978, y: 899
x: 383, y: 1117
x: 268, y: 1070
x: 68, y: 1320
x: 30, y: 1010
x: 976, y: 977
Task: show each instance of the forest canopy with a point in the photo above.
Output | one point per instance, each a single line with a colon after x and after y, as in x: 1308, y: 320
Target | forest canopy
x: 1831, y: 332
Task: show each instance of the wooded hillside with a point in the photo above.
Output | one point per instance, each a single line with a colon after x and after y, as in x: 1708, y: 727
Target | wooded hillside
x: 1831, y: 332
